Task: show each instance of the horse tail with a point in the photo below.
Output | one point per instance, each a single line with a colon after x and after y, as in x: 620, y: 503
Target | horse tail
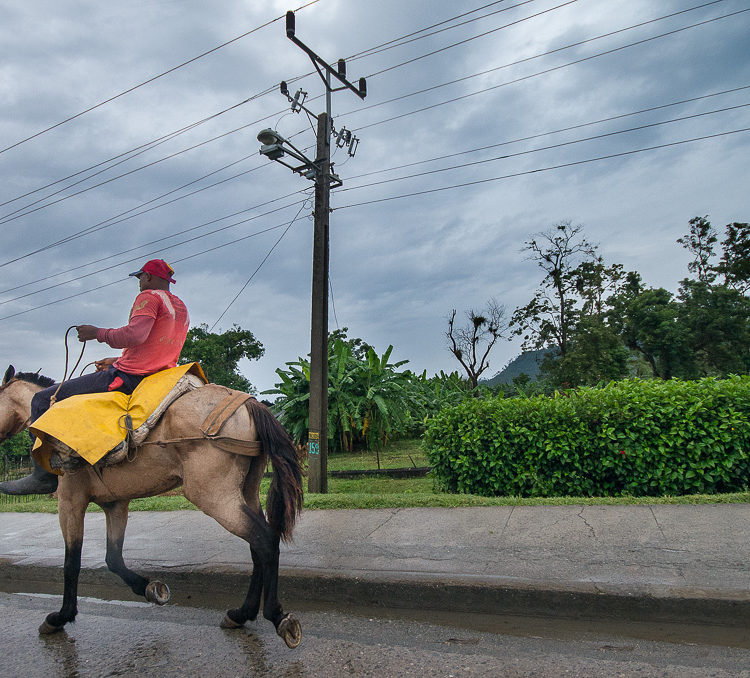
x: 284, y: 500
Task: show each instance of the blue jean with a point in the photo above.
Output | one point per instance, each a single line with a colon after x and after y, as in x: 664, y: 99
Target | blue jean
x: 96, y: 382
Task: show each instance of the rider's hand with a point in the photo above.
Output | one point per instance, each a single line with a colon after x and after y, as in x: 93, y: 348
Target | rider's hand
x: 103, y: 364
x: 86, y: 332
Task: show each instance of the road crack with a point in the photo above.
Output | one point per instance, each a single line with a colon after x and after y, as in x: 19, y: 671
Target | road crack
x: 586, y: 522
x: 653, y: 515
x: 385, y: 522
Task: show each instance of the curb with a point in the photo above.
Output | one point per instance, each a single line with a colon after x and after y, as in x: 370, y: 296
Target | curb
x: 479, y: 595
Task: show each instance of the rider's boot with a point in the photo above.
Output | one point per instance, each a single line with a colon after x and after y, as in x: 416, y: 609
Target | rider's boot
x: 38, y: 481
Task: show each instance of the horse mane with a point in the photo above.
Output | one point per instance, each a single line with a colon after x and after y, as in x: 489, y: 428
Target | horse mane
x: 35, y: 378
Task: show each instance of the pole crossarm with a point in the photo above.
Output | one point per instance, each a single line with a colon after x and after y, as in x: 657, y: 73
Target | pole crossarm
x: 318, y: 62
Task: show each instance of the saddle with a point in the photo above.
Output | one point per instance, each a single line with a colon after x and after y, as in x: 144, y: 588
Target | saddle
x: 104, y: 429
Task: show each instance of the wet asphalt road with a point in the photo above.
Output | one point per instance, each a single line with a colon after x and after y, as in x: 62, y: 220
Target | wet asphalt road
x: 128, y: 638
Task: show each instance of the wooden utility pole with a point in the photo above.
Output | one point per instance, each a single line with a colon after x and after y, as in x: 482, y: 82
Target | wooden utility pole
x: 275, y: 147
x: 317, y: 480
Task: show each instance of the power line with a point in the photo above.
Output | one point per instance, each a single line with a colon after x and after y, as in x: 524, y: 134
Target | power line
x: 530, y: 76
x: 242, y: 289
x: 115, y: 220
x: 112, y: 221
x: 138, y: 150
x: 541, y: 169
x: 544, y: 148
x: 153, y: 143
x: 512, y: 155
x: 15, y: 215
x: 152, y: 242
x: 268, y: 90
x: 333, y: 302
x: 556, y: 131
x: 121, y: 217
x: 400, y: 42
x: 537, y: 56
x: 378, y: 48
x: 150, y: 80
x: 10, y: 216
x: 176, y: 261
x: 424, y: 192
x: 475, y: 37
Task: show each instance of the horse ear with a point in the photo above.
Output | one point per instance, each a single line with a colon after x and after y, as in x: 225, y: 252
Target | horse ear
x: 9, y: 374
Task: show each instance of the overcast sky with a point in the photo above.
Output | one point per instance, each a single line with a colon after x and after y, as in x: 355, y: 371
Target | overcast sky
x: 398, y: 264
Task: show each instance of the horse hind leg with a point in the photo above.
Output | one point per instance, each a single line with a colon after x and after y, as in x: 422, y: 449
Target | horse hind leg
x: 265, y: 580
x: 241, y: 520
x: 236, y: 618
x: 116, y: 514
x: 287, y: 626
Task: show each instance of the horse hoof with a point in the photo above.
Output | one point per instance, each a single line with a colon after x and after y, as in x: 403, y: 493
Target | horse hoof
x: 229, y: 623
x: 291, y: 631
x: 47, y: 629
x: 157, y: 592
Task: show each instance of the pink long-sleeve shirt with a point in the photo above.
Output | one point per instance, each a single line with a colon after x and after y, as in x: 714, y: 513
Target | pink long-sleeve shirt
x: 154, y: 336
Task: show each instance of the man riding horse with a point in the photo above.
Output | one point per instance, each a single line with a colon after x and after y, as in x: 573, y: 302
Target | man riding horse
x: 152, y: 341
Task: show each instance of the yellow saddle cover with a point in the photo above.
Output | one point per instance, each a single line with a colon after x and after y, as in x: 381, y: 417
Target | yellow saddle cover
x: 92, y: 424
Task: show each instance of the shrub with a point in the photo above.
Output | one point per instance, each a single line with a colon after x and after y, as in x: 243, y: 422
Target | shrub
x: 640, y: 438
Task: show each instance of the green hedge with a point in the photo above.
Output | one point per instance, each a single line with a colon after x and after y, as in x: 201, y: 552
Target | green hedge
x: 640, y: 438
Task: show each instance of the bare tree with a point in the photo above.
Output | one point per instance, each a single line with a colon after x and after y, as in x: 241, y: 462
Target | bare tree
x: 472, y: 343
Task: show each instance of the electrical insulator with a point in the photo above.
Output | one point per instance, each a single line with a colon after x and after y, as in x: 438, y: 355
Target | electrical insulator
x: 342, y: 68
x: 362, y: 87
x: 290, y: 24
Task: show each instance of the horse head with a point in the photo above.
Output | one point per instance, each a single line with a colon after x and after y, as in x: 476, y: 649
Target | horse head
x: 16, y: 392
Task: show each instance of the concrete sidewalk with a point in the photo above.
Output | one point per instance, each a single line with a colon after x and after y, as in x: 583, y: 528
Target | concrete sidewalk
x: 670, y: 563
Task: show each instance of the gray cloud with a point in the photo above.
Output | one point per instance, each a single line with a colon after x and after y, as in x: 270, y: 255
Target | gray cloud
x: 399, y: 266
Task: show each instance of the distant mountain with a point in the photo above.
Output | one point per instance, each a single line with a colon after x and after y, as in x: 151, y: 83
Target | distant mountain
x: 526, y: 363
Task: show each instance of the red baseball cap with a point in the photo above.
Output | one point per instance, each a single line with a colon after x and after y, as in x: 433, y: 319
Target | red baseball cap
x: 157, y: 267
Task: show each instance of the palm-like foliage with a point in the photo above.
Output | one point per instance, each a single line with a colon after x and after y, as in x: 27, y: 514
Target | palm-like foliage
x: 369, y: 400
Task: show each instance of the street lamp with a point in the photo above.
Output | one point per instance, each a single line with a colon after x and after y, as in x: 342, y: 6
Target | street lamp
x: 269, y: 136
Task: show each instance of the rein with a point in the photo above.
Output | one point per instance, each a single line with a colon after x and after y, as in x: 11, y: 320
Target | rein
x: 53, y: 399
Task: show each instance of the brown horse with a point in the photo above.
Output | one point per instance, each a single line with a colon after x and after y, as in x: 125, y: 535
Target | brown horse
x: 223, y: 485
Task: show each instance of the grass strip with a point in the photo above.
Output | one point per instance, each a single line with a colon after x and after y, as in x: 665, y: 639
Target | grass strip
x: 373, y: 493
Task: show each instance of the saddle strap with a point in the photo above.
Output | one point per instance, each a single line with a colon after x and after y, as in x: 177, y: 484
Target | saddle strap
x: 222, y: 411
x: 246, y: 448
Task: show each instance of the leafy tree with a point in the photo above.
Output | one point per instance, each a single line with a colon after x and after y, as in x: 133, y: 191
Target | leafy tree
x: 14, y: 448
x: 550, y: 317
x: 595, y: 354
x: 700, y: 241
x: 359, y: 348
x: 472, y: 343
x: 735, y: 258
x: 219, y: 354
x: 717, y: 321
x: 648, y: 323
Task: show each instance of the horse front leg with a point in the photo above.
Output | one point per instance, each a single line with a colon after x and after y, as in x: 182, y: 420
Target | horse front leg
x: 71, y: 509
x: 116, y: 514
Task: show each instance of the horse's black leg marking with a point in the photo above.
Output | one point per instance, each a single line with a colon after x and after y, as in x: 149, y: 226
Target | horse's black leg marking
x: 249, y: 609
x: 72, y: 568
x: 117, y: 519
x: 271, y: 606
